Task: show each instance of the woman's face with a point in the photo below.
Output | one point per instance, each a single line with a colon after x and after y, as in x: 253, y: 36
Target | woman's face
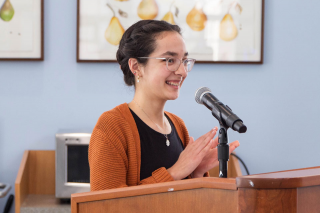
x: 157, y: 81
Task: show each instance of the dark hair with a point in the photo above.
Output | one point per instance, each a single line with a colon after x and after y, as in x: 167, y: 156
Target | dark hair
x: 139, y: 40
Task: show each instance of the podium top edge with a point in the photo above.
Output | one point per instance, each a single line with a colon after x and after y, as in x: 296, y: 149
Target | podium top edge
x: 283, y: 179
x: 172, y: 186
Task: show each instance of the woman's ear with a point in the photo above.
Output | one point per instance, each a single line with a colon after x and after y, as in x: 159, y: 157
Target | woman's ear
x: 134, y: 66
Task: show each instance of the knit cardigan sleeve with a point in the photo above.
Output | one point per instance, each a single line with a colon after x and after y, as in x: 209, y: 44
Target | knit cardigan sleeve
x: 108, y: 168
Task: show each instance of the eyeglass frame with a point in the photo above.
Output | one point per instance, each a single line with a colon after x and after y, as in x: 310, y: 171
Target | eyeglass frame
x: 181, y: 61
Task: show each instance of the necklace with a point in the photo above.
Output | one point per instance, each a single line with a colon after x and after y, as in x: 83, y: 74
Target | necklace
x: 165, y: 135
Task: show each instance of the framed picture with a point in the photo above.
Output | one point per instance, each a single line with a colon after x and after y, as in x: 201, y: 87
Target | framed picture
x: 21, y: 34
x: 215, y: 31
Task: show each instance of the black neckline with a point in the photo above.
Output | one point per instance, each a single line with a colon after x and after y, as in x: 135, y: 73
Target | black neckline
x: 170, y: 134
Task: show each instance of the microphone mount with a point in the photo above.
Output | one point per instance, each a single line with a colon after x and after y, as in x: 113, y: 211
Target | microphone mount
x: 223, y: 146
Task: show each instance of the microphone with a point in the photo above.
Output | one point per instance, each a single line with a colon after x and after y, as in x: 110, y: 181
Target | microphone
x: 221, y: 112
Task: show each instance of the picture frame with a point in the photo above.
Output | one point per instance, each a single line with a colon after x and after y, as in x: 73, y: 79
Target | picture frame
x: 215, y: 31
x: 22, y: 29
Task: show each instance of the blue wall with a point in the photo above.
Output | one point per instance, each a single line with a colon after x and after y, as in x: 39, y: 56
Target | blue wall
x: 279, y: 100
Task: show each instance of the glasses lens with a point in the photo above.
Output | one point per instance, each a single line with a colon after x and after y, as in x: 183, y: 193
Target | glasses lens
x: 188, y: 64
x: 173, y: 64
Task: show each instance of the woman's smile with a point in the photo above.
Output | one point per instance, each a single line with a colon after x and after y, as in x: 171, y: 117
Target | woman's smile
x: 174, y: 83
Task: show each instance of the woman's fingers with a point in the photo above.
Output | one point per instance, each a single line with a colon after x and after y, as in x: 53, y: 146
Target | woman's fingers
x: 215, y: 143
x: 211, y: 135
x: 206, y: 149
x: 202, y: 143
x: 191, y: 140
x: 203, y: 137
x: 233, y: 146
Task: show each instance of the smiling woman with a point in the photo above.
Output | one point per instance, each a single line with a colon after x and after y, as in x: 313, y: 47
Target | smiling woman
x: 139, y: 143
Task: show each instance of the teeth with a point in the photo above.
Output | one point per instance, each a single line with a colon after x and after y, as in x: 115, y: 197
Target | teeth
x: 173, y: 84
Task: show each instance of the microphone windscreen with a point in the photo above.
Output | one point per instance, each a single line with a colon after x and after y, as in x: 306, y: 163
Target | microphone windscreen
x: 200, y: 92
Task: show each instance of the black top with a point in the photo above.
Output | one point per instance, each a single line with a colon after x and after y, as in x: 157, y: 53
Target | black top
x: 154, y: 151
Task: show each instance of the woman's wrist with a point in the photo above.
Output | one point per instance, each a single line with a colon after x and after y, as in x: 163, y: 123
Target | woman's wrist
x: 174, y: 174
x: 196, y: 175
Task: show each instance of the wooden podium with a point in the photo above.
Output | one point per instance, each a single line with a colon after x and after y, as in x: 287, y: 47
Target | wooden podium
x: 286, y: 191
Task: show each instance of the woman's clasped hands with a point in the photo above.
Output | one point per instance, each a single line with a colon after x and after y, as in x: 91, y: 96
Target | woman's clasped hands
x: 199, y: 156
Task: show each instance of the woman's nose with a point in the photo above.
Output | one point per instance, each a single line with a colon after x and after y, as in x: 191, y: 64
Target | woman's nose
x: 181, y: 71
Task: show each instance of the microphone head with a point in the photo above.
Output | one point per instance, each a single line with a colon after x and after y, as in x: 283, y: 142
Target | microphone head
x: 200, y: 92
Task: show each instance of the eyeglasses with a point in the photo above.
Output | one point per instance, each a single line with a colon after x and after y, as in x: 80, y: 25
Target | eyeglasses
x: 173, y: 63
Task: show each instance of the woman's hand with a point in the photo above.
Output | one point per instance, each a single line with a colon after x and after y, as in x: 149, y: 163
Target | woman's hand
x: 210, y: 160
x: 192, y: 156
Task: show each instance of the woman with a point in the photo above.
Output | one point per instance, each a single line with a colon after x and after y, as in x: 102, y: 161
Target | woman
x: 139, y: 143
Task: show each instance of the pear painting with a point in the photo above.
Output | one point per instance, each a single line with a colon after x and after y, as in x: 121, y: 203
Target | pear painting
x: 114, y: 32
x: 196, y: 19
x: 148, y: 9
x: 168, y: 17
x: 7, y: 11
x: 228, y: 29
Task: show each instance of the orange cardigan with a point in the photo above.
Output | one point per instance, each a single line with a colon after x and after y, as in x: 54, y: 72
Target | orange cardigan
x: 115, y: 154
